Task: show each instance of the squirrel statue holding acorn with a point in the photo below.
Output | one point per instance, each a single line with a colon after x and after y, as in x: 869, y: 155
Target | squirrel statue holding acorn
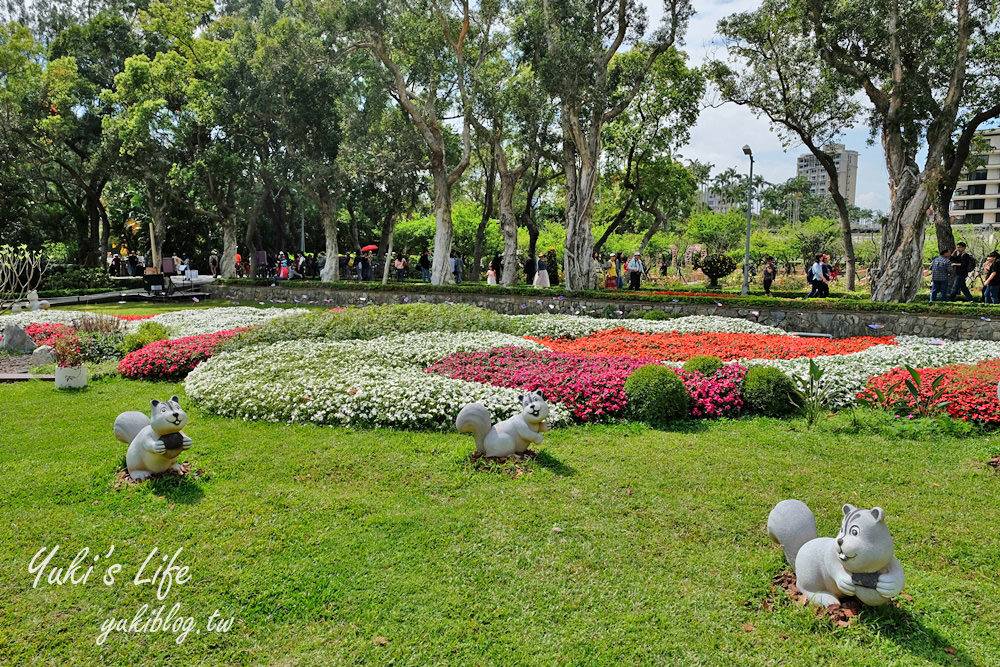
x: 511, y: 436
x: 154, y: 442
x: 857, y: 562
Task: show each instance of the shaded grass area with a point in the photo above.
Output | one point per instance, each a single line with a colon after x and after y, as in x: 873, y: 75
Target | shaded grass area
x: 617, y: 544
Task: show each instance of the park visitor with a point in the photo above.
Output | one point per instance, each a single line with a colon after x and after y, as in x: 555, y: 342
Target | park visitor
x: 456, y: 268
x: 401, y: 265
x: 816, y: 277
x: 425, y: 266
x: 941, y: 270
x: 541, y: 273
x: 529, y: 270
x: 769, y: 273
x: 963, y: 264
x: 213, y: 263
x: 635, y: 270
x: 991, y: 278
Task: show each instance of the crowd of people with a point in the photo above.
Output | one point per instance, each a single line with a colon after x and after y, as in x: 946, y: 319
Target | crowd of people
x: 951, y: 270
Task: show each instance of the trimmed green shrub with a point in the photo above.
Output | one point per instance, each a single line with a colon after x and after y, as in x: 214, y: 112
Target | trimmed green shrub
x: 659, y: 315
x: 655, y: 394
x: 100, y: 346
x: 147, y: 333
x: 767, y: 391
x: 704, y: 364
x: 717, y: 266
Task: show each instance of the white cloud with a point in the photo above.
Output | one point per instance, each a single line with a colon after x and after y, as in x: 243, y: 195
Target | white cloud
x: 721, y: 132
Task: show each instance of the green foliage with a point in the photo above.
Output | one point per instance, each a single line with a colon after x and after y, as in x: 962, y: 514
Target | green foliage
x: 767, y: 391
x: 704, y: 364
x: 659, y: 315
x: 719, y: 232
x: 717, y: 266
x: 374, y: 321
x: 655, y: 394
x: 101, y: 346
x: 812, y: 395
x: 70, y: 277
x: 147, y: 333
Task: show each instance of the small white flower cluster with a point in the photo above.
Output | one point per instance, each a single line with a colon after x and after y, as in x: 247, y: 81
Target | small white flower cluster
x: 848, y: 374
x: 180, y: 323
x: 197, y: 321
x: 376, y: 383
x: 575, y: 326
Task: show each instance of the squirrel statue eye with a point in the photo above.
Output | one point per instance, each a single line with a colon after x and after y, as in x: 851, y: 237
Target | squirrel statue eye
x: 854, y: 531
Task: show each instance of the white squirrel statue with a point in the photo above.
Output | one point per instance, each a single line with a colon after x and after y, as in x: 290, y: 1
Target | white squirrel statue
x: 32, y: 304
x: 511, y: 436
x: 154, y: 442
x: 857, y: 562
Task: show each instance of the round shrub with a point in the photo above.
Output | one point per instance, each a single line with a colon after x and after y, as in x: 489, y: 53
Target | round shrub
x: 658, y: 315
x: 717, y: 266
x: 767, y: 391
x: 704, y: 364
x: 655, y: 394
x: 148, y: 332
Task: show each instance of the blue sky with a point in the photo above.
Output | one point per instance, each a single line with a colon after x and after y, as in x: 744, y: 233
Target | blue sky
x: 721, y: 132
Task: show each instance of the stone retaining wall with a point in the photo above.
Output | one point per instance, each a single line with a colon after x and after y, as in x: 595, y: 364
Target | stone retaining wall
x: 838, y: 323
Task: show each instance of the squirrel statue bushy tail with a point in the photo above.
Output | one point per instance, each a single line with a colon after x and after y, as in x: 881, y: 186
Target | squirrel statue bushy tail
x: 791, y: 524
x: 475, y: 419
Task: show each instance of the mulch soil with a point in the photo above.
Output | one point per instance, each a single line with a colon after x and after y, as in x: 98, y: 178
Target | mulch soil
x: 995, y: 462
x: 123, y: 479
x: 17, y: 363
x: 840, y: 615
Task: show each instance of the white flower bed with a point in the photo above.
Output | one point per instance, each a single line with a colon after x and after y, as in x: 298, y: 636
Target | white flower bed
x: 847, y: 374
x: 377, y: 383
x: 196, y: 321
x: 575, y: 326
x: 188, y: 322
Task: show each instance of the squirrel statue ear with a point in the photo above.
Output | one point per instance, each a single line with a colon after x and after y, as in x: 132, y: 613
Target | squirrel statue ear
x: 520, y: 397
x: 173, y: 399
x: 154, y: 402
x: 539, y: 394
x: 848, y: 508
x: 878, y: 513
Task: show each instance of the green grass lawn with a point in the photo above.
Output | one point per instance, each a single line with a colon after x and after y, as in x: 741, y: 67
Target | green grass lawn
x: 618, y: 545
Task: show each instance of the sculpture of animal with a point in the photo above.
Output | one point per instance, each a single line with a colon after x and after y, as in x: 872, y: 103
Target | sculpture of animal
x: 511, y: 436
x: 154, y: 442
x: 857, y: 562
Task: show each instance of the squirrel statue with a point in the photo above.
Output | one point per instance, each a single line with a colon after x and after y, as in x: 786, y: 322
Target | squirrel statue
x: 511, y: 436
x: 154, y: 442
x: 857, y: 562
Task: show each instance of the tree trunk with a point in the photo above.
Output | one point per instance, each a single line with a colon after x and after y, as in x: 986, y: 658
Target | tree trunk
x: 227, y: 263
x: 850, y: 265
x: 355, y: 238
x: 942, y: 219
x: 578, y: 269
x: 477, y: 253
x: 508, y: 227
x: 328, y: 216
x: 658, y: 221
x: 618, y: 219
x: 898, y: 271
x: 157, y: 211
x: 93, y: 254
x: 444, y: 232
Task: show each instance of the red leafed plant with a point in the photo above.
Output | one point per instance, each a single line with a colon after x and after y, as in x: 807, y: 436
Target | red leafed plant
x: 967, y: 392
x: 676, y: 346
x: 172, y: 359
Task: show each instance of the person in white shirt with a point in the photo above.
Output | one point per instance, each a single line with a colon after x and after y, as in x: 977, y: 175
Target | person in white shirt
x: 635, y: 270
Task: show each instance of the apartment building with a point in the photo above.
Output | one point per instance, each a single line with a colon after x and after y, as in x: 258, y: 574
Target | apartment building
x: 846, y: 161
x: 977, y: 198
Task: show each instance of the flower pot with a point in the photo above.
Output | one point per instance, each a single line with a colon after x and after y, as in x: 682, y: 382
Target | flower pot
x: 71, y: 377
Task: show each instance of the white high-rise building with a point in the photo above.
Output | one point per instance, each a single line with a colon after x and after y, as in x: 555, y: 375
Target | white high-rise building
x: 846, y: 161
x: 977, y: 198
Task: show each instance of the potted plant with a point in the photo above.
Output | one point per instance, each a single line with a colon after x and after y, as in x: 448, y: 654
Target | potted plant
x: 70, y: 373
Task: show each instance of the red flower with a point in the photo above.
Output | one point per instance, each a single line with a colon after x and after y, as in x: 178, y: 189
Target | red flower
x: 172, y: 359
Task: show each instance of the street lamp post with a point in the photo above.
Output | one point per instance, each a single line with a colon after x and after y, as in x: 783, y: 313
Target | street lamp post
x: 746, y: 254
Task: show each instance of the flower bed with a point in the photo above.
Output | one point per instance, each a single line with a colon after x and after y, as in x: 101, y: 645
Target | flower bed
x: 134, y: 318
x: 375, y: 383
x: 674, y: 346
x: 970, y: 391
x: 717, y: 395
x: 575, y: 326
x: 172, y: 360
x: 45, y: 334
x: 592, y: 389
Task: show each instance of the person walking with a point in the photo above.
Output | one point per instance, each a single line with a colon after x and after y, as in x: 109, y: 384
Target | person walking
x: 814, y: 274
x: 769, y: 274
x: 497, y: 266
x: 991, y: 278
x: 425, y: 266
x: 401, y: 265
x: 529, y: 269
x: 941, y: 270
x: 620, y: 270
x: 213, y: 263
x: 963, y: 264
x: 635, y: 270
x: 541, y: 273
x: 456, y: 268
x: 827, y: 277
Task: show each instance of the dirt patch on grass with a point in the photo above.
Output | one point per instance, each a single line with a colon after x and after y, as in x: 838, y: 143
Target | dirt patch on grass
x: 995, y: 462
x: 840, y: 615
x: 14, y: 363
x: 513, y: 465
x: 123, y: 479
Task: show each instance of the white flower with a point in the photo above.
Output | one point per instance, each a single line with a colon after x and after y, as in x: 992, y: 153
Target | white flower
x: 572, y: 326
